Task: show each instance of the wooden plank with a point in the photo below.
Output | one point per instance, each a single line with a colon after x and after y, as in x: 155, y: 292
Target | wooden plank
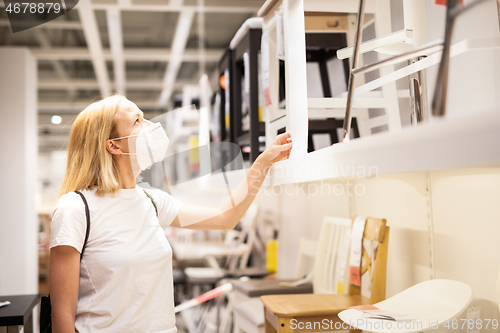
x: 325, y: 22
x: 375, y: 229
x: 271, y: 319
x: 380, y: 273
x: 311, y: 304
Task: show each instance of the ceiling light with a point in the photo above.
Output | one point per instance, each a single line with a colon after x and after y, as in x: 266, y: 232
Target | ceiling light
x: 56, y: 120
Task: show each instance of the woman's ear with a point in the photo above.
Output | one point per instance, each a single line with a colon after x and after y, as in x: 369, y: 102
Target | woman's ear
x: 113, y: 148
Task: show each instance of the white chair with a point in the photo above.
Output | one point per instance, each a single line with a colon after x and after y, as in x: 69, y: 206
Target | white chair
x: 433, y: 302
x: 299, y: 18
x: 249, y: 314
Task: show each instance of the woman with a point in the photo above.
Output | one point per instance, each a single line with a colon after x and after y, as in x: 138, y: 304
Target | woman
x: 124, y: 280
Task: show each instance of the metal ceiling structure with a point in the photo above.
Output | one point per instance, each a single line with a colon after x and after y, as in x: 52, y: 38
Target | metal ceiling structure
x: 144, y: 49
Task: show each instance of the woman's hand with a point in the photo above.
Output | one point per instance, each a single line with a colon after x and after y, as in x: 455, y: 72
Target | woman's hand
x: 279, y: 149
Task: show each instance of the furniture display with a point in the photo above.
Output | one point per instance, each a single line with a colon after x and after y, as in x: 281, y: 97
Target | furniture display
x: 325, y: 276
x: 301, y: 18
x: 225, y: 70
x: 236, y: 254
x: 19, y: 313
x: 281, y: 311
x: 246, y: 121
x: 417, y: 63
x: 322, y: 47
x: 429, y: 146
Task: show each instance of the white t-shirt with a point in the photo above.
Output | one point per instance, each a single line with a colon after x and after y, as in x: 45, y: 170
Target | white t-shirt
x: 126, y: 280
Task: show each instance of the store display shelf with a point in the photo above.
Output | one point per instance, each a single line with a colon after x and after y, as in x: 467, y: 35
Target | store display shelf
x: 471, y: 141
x: 394, y: 43
x: 433, y: 51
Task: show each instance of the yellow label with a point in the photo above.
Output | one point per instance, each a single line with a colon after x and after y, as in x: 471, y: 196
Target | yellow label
x: 272, y: 256
x: 260, y: 113
x: 340, y: 287
x: 193, y: 143
x: 227, y: 121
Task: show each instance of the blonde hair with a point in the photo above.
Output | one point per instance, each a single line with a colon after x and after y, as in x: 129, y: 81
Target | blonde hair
x: 89, y: 162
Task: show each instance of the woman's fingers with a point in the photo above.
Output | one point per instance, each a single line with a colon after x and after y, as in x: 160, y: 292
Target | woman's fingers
x: 284, y: 137
x: 286, y: 146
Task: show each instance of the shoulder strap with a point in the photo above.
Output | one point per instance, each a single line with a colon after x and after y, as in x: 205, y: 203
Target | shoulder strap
x: 87, y: 215
x: 154, y: 204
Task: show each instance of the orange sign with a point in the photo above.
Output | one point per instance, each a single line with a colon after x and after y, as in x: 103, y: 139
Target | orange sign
x: 444, y: 2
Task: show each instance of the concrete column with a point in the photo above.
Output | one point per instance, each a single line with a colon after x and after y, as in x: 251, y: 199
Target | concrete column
x: 18, y: 172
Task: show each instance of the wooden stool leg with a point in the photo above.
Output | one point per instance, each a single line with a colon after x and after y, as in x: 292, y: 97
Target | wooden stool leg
x: 269, y: 327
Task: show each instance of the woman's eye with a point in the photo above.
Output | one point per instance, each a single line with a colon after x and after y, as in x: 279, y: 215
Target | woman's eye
x: 136, y: 121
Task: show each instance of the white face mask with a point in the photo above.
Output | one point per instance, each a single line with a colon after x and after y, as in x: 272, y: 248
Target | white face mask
x: 151, y: 145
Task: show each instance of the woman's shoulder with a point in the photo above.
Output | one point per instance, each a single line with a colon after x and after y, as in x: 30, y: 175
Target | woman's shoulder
x: 72, y: 202
x: 69, y: 199
x: 156, y: 193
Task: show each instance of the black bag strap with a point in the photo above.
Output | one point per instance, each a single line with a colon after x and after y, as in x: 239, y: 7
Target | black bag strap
x: 150, y: 198
x: 87, y: 215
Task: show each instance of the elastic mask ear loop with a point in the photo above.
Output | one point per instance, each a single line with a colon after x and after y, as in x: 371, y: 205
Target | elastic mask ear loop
x: 124, y: 137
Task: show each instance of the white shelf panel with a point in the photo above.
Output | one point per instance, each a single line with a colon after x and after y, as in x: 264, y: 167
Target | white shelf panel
x: 384, y: 44
x: 433, y: 59
x: 340, y: 103
x: 442, y: 144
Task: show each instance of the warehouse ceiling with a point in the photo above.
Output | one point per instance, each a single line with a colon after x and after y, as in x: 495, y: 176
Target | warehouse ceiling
x: 145, y: 49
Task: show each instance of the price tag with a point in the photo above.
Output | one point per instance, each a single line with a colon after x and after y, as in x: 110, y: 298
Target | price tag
x: 246, y: 66
x: 358, y: 229
x: 227, y: 96
x: 280, y: 37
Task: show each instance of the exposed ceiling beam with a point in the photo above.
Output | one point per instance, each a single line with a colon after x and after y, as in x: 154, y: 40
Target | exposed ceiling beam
x: 129, y: 54
x: 116, y: 45
x: 94, y: 85
x: 45, y: 44
x: 75, y: 107
x: 93, y: 39
x: 178, y: 45
x: 56, y: 24
x: 58, y: 67
x: 171, y: 8
x: 175, y: 3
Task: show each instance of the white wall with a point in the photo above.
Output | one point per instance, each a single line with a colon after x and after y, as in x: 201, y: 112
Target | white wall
x: 18, y: 172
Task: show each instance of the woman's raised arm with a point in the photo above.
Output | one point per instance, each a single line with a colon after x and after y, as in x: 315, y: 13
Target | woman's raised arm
x: 227, y: 216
